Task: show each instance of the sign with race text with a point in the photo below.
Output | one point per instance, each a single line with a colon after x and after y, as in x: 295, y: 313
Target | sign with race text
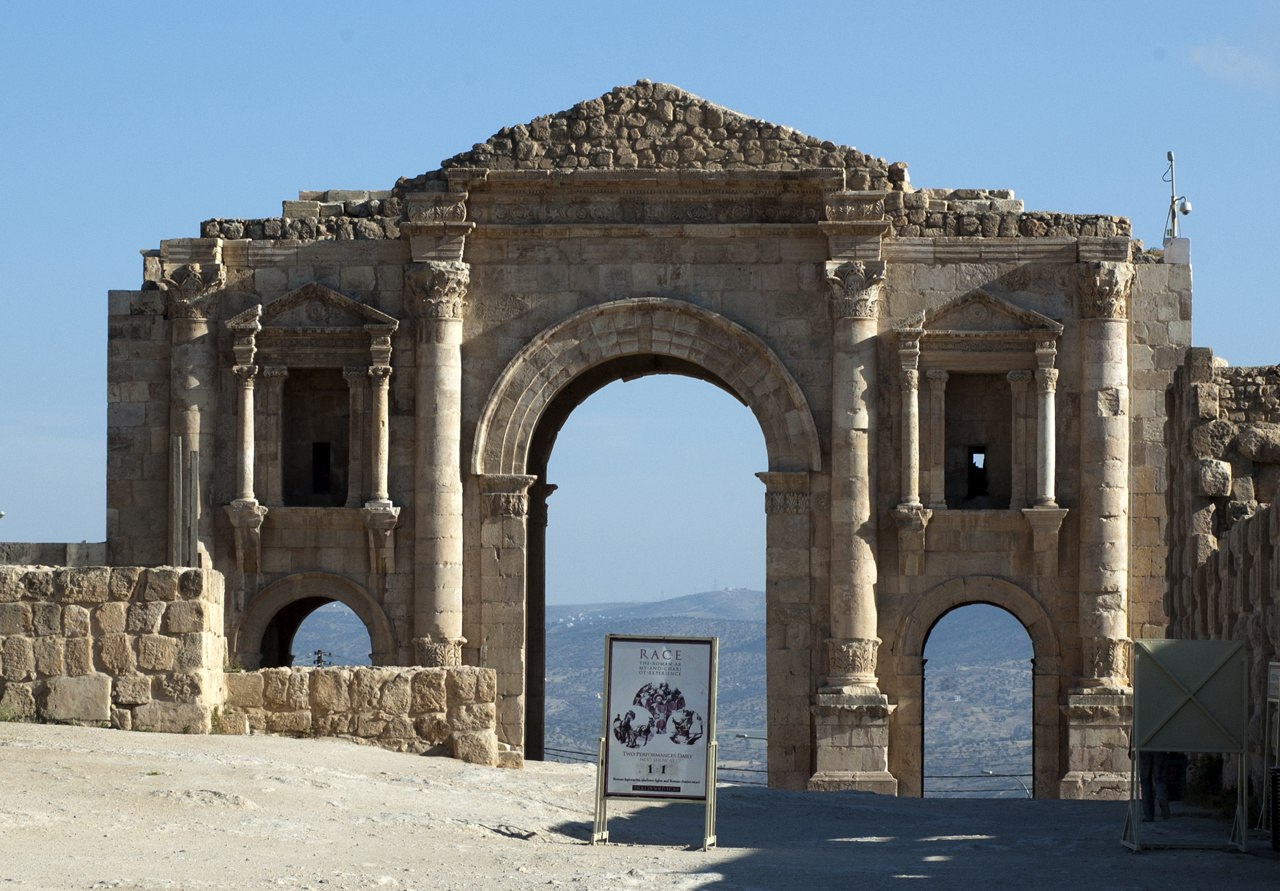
x: 659, y: 715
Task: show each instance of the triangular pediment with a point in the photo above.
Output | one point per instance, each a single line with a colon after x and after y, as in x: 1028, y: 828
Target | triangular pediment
x: 314, y: 306
x: 658, y: 126
x: 979, y: 313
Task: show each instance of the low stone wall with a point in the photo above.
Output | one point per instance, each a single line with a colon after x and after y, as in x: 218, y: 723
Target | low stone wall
x: 446, y: 711
x: 139, y: 648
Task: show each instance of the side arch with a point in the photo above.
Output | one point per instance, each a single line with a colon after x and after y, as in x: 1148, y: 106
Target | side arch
x: 655, y: 326
x: 907, y: 734
x: 283, y: 593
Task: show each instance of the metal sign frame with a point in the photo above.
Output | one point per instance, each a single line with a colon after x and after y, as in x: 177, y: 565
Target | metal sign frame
x: 1190, y: 696
x: 639, y: 703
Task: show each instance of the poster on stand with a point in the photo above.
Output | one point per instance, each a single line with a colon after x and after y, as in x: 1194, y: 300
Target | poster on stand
x: 659, y: 716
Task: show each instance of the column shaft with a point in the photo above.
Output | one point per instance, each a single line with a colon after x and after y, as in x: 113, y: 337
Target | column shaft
x: 357, y: 388
x: 244, y: 424
x: 1046, y: 444
x: 379, y: 376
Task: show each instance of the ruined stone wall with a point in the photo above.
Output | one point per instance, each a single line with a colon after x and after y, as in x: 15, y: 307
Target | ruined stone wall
x: 1225, y: 522
x: 435, y: 711
x: 138, y: 648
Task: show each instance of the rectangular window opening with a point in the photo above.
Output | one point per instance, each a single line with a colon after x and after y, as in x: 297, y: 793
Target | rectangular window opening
x: 978, y: 483
x: 321, y: 469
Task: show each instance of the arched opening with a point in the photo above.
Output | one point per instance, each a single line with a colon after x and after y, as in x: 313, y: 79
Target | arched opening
x: 680, y: 544
x: 267, y: 635
x: 978, y: 705
x: 332, y: 635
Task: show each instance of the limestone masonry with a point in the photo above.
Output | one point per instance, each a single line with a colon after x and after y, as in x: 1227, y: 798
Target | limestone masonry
x: 962, y: 401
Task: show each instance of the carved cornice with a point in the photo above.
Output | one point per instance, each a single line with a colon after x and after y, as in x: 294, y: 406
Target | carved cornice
x: 437, y: 290
x: 854, y: 207
x: 506, y: 495
x: 191, y: 290
x: 786, y: 502
x: 856, y: 287
x: 1103, y: 288
x: 437, y: 207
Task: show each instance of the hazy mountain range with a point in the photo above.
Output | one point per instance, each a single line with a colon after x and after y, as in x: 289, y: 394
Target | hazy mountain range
x: 977, y: 690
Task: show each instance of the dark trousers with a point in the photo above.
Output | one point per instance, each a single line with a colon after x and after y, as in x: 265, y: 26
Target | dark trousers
x: 1152, y: 777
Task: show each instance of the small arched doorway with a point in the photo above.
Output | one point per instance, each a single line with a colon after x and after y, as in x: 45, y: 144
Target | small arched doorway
x: 267, y: 629
x: 977, y: 705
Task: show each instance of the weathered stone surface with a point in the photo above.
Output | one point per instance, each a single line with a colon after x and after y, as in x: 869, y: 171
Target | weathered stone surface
x: 88, y: 584
x: 1260, y: 442
x: 86, y: 698
x: 185, y: 617
x: 20, y: 699
x: 110, y: 618
x: 11, y: 587
x: 124, y: 582
x: 131, y: 690
x: 429, y: 692
x: 162, y: 584
x: 475, y: 716
x: 78, y: 654
x: 286, y: 689
x: 18, y: 659
x: 330, y: 690
x: 115, y: 654
x: 476, y: 747
x: 15, y: 618
x: 156, y: 652
x: 75, y: 621
x: 171, y: 717
x: 289, y: 722
x: 1214, y: 478
x: 245, y: 689
x: 46, y: 619
x: 144, y: 618
x: 48, y: 655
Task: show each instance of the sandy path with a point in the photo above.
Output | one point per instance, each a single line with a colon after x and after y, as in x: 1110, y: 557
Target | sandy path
x: 89, y: 808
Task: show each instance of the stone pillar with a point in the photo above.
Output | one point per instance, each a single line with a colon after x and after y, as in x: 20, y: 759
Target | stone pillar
x: 1046, y: 418
x: 911, y: 515
x: 191, y: 293
x: 245, y: 513
x: 1099, y: 708
x: 1024, y: 440
x: 788, y: 539
x: 380, y: 516
x: 357, y: 393
x: 503, y: 595
x: 937, y: 472
x: 850, y: 712
x: 434, y: 294
x: 271, y: 443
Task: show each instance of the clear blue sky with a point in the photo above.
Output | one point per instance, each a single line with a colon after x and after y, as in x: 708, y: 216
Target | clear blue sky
x: 128, y: 123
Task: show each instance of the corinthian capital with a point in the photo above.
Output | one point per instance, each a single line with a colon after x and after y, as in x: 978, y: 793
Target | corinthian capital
x: 1103, y: 288
x: 855, y: 289
x: 436, y: 290
x: 190, y: 290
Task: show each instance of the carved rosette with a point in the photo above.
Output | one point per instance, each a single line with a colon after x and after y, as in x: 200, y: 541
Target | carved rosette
x: 856, y: 288
x: 191, y: 290
x: 1103, y: 289
x: 437, y: 290
x: 1106, y: 659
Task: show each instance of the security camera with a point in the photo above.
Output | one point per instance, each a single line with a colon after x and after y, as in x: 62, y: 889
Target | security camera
x: 1184, y: 207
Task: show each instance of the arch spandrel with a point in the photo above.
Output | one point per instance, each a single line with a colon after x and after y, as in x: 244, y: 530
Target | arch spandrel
x: 935, y: 603
x: 738, y: 359
x: 279, y: 594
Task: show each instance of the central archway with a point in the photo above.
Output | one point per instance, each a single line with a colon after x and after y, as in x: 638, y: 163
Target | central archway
x: 526, y: 409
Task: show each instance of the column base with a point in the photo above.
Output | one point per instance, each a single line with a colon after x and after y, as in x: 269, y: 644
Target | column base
x: 431, y: 652
x: 852, y: 744
x: 1098, y: 761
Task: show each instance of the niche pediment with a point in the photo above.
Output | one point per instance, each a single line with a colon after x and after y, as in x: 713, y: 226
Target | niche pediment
x: 977, y: 313
x: 316, y: 306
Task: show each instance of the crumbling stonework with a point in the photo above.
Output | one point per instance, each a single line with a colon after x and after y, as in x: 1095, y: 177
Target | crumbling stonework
x: 139, y: 648
x: 419, y: 710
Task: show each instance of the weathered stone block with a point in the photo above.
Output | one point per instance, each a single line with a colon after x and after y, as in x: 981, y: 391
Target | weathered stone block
x: 370, y: 726
x: 110, y: 618
x: 161, y: 584
x: 233, y: 724
x: 144, y: 618
x: 121, y: 718
x: 86, y: 698
x: 48, y: 655
x: 75, y: 621
x: 330, y: 690
x: 199, y: 651
x: 184, y: 686
x: 289, y: 722
x: 124, y: 582
x: 156, y: 652
x: 15, y: 618
x: 1213, y: 478
x: 366, y: 687
x: 78, y: 654
x: 195, y: 584
x: 186, y: 617
x: 395, y: 695
x: 46, y: 619
x: 433, y: 728
x: 476, y: 716
x: 115, y: 654
x: 399, y: 727
x: 39, y: 583
x: 131, y: 690
x: 428, y: 692
x: 171, y: 717
x: 476, y: 747
x: 286, y: 689
x: 19, y: 699
x: 244, y: 689
x: 11, y: 587
x: 82, y: 584
x: 17, y: 659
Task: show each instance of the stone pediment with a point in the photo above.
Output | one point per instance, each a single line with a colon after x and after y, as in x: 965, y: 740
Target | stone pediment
x: 978, y: 314
x: 314, y: 306
x: 658, y: 126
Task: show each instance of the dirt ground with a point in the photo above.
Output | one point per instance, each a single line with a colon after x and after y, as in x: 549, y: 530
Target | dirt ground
x: 89, y: 808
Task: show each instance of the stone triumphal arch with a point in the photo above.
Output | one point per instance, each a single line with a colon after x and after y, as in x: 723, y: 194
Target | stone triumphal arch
x: 961, y: 400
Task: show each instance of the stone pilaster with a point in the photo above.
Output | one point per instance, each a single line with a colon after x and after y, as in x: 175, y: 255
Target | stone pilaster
x: 357, y: 379
x: 1099, y: 708
x: 937, y: 468
x: 191, y: 294
x: 503, y: 593
x: 270, y: 458
x: 435, y: 296
x: 788, y: 542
